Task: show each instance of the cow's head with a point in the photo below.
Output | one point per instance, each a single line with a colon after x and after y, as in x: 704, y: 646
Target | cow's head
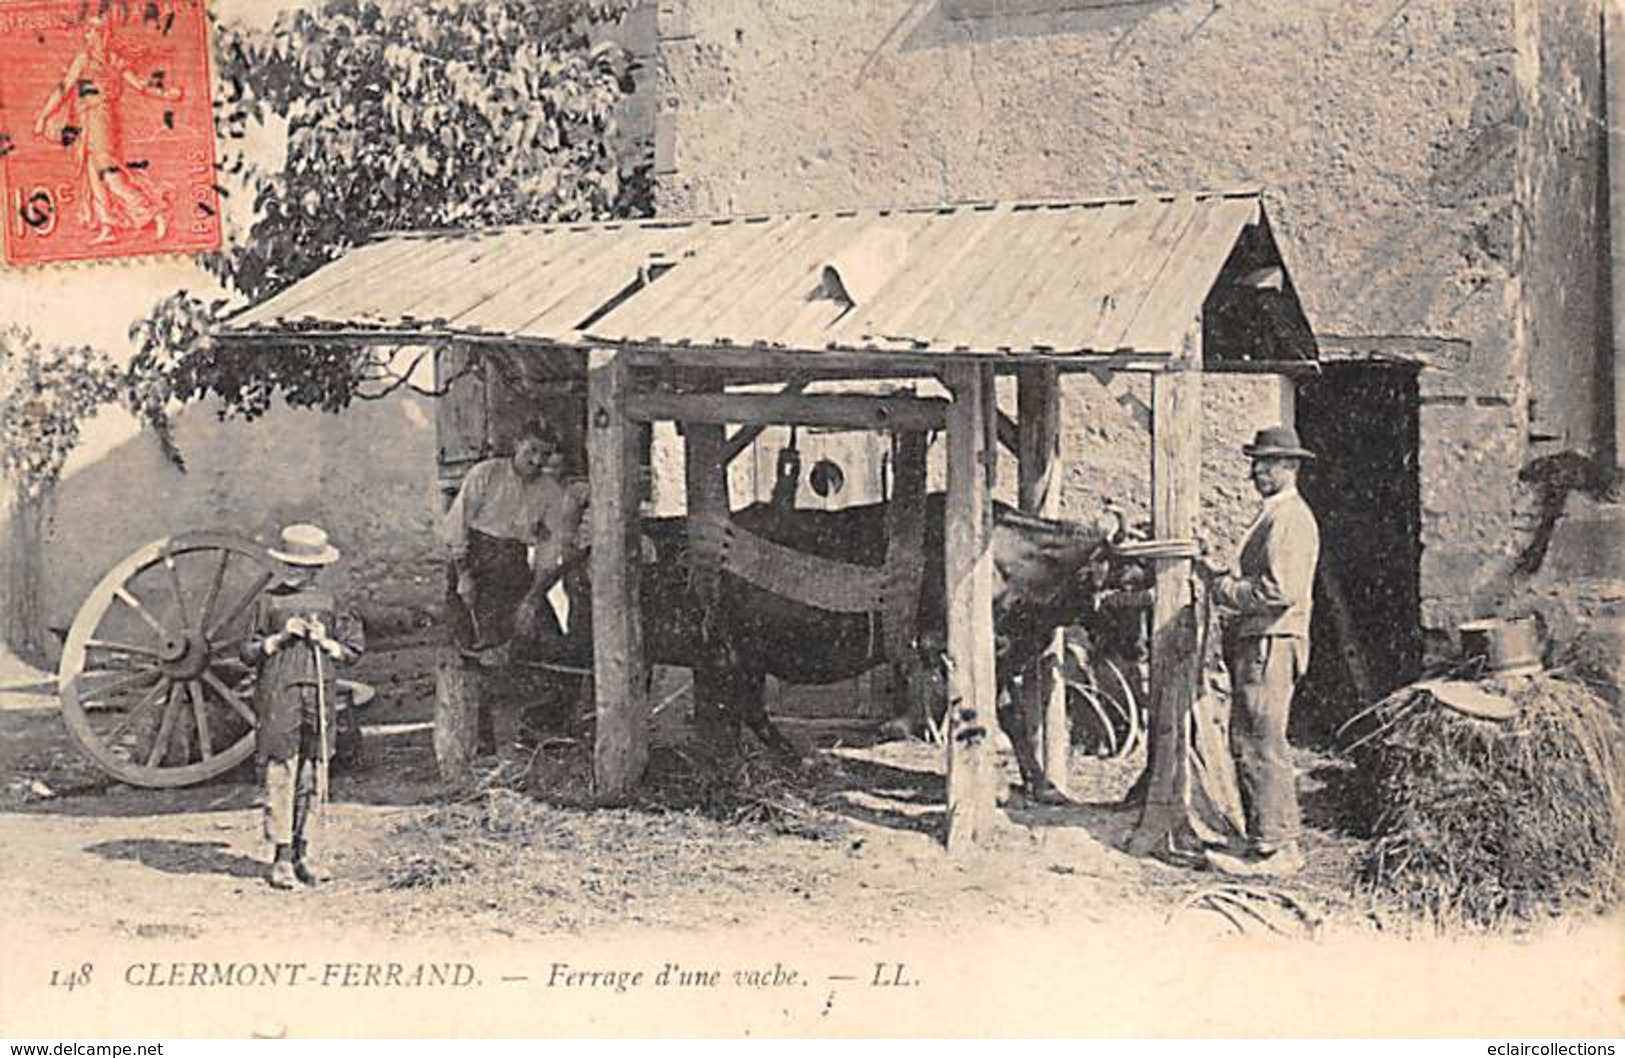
x: 1049, y: 573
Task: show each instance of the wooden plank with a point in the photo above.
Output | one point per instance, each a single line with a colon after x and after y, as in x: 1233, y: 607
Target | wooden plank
x: 482, y: 276
x: 332, y: 278
x: 938, y: 236
x: 456, y: 716
x: 731, y: 282
x: 765, y: 297
x: 1009, y: 254
x: 1009, y: 430
x: 850, y: 411
x: 1075, y: 294
x: 621, y: 748
x: 1053, y: 268
x: 1193, y: 266
x: 460, y: 416
x: 781, y: 294
x: 705, y: 476
x: 377, y: 293
x: 972, y: 776
x: 913, y: 314
x: 1137, y: 278
x: 747, y: 435
x: 668, y: 309
x: 1164, y: 827
x: 1038, y: 416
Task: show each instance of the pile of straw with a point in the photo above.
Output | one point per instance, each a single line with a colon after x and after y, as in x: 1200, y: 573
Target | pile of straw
x: 1482, y: 824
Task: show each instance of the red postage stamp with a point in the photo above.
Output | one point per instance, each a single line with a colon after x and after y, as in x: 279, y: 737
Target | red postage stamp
x: 106, y: 129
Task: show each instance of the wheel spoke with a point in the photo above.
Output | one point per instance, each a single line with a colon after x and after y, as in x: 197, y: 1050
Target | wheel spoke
x: 175, y: 586
x: 121, y: 648
x: 133, y: 679
x: 146, y: 703
x: 165, y: 728
x: 214, y: 591
x: 123, y: 595
x: 242, y: 604
x: 199, y: 714
x: 233, y: 668
x: 231, y: 697
x: 227, y: 650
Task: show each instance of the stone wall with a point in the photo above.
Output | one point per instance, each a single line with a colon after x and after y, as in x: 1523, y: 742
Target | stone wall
x: 1405, y: 148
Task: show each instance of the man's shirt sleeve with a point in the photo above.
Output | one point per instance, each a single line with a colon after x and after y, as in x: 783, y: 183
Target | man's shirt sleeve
x: 454, y: 523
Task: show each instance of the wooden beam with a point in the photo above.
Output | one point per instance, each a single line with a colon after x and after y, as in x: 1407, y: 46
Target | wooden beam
x: 972, y: 713
x: 747, y: 362
x: 850, y: 411
x: 456, y: 715
x: 1285, y: 368
x: 621, y: 748
x: 1038, y: 415
x: 747, y: 435
x: 881, y: 363
x: 1164, y: 827
x: 1010, y: 429
x: 706, y: 475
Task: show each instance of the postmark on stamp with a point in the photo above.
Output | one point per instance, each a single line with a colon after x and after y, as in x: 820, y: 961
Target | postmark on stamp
x: 106, y: 129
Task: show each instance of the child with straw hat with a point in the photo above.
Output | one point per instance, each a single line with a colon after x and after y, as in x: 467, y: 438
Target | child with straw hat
x: 299, y: 634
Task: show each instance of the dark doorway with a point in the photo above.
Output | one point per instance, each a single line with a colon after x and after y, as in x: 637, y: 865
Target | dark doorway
x: 1361, y: 419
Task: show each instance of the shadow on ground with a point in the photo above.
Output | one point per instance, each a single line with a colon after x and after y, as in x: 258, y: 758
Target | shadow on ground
x: 180, y: 857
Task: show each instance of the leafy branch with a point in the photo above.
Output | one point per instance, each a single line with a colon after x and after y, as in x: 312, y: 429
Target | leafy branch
x: 441, y: 114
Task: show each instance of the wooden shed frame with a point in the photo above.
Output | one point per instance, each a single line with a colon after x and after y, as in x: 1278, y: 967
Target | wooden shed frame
x: 679, y: 375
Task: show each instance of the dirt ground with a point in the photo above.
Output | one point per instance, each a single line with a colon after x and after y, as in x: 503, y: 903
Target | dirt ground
x: 848, y: 838
x: 844, y: 846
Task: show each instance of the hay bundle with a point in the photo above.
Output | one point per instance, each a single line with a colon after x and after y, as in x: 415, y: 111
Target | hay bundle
x: 1480, y: 823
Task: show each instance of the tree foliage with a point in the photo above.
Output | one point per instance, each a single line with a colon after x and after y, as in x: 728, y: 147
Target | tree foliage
x: 46, y: 393
x: 437, y: 114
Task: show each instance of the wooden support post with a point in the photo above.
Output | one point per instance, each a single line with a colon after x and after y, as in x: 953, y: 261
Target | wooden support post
x: 456, y: 715
x: 1038, y: 415
x: 622, y: 741
x: 1176, y: 666
x: 972, y: 712
x: 705, y: 471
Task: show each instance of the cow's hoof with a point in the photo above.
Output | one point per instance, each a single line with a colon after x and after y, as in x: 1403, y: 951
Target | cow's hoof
x: 1047, y: 794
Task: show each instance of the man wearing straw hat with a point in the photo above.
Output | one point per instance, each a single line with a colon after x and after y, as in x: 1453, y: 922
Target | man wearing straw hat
x: 298, y: 636
x: 1266, y: 644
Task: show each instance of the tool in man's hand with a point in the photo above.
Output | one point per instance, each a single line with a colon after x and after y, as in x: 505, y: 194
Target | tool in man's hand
x: 320, y: 807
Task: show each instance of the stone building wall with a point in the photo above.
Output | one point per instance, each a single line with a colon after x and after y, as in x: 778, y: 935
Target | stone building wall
x: 1430, y: 167
x: 367, y: 476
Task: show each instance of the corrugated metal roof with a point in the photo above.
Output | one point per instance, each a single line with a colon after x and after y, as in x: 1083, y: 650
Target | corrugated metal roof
x: 1102, y: 276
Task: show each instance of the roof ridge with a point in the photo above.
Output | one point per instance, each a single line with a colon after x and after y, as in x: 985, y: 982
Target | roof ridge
x: 675, y: 221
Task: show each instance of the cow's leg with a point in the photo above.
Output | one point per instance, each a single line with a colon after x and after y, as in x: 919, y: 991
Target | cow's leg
x: 1034, y: 781
x: 911, y: 700
x: 750, y: 705
x: 715, y: 725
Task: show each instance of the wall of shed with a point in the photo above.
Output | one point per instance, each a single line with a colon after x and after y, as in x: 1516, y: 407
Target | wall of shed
x: 1409, y: 150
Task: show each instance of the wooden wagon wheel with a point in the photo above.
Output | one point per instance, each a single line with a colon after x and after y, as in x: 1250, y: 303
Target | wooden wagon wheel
x: 151, y: 685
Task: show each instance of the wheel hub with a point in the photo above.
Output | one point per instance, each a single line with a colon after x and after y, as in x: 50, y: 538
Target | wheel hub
x: 184, y: 657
